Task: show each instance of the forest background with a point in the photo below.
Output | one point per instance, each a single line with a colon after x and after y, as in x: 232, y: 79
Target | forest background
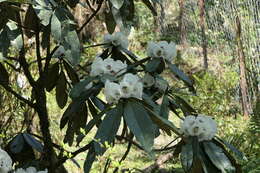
x: 218, y: 47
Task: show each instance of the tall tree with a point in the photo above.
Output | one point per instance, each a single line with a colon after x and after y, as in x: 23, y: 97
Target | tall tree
x: 203, y: 34
x: 242, y: 66
x: 181, y: 22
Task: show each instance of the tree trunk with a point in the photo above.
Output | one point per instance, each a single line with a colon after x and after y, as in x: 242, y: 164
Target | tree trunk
x: 203, y: 34
x: 242, y: 66
x: 50, y: 156
x: 182, y: 30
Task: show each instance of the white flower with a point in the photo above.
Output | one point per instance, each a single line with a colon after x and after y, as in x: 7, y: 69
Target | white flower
x: 20, y: 170
x: 154, y: 50
x: 161, y: 84
x: 107, y: 66
x: 202, y: 126
x: 119, y: 67
x: 97, y: 67
x: 5, y: 162
x: 126, y: 89
x: 138, y: 90
x: 112, y: 92
x: 59, y: 52
x: 45, y: 171
x: 169, y: 50
x: 130, y: 78
x: 162, y: 49
x: 116, y: 39
x: 30, y: 170
x: 131, y: 86
x: 127, y: 84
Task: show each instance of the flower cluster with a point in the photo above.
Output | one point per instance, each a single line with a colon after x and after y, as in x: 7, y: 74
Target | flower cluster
x: 204, y: 127
x: 130, y: 86
x: 30, y: 170
x: 107, y: 66
x: 116, y: 39
x: 162, y: 49
x: 5, y: 162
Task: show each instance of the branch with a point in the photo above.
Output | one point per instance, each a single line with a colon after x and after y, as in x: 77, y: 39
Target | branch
x: 159, y: 162
x: 73, y: 154
x: 38, y: 53
x: 9, y: 89
x: 91, y: 17
x: 22, y: 59
x: 12, y: 66
x: 126, y: 153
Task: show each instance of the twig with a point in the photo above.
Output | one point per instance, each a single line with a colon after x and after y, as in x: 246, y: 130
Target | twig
x: 73, y: 154
x: 126, y: 153
x: 159, y: 162
x: 38, y: 52
x: 91, y: 17
x: 10, y: 90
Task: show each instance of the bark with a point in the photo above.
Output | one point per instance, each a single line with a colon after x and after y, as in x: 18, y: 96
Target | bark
x: 203, y: 34
x: 242, y: 66
x: 182, y: 30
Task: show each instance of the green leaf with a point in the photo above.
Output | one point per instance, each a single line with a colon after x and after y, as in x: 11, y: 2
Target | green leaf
x: 139, y: 122
x: 91, y: 156
x: 218, y: 157
x: 110, y: 22
x: 71, y: 73
x: 164, y: 108
x: 4, y: 76
x: 79, y: 88
x: 197, y: 164
x: 108, y: 128
x: 44, y: 15
x: 52, y: 77
x: 163, y: 123
x: 14, y: 35
x: 56, y: 27
x: 155, y: 65
x: 100, y: 104
x: 117, y: 3
x: 33, y: 142
x: 4, y: 43
x: 186, y: 156
x: 61, y: 91
x: 31, y: 22
x: 183, y: 105
x: 43, y: 11
x: 207, y: 165
x: 181, y: 75
x: 237, y: 153
x: 70, y: 42
x: 17, y: 144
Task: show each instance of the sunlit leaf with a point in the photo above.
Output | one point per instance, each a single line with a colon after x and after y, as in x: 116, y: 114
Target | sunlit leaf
x: 108, y: 128
x: 139, y: 122
x: 218, y: 157
x: 186, y: 156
